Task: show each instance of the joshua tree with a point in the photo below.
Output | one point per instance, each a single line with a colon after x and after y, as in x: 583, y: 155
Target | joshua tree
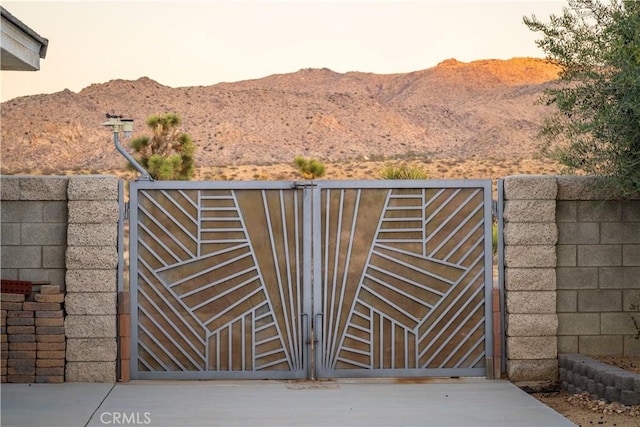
x: 168, y: 153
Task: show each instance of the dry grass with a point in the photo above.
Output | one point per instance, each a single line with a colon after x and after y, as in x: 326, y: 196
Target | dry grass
x: 446, y: 168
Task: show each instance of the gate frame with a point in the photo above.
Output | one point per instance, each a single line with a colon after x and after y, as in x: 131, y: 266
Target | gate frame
x: 311, y: 274
x: 500, y: 205
x: 135, y: 374
x: 486, y: 186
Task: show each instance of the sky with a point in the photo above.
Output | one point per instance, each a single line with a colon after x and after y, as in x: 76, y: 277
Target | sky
x: 201, y: 43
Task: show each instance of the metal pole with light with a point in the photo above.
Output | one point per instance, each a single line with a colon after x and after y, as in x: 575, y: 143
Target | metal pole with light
x: 117, y: 124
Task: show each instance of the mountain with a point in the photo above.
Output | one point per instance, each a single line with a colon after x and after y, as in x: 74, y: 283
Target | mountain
x: 455, y: 109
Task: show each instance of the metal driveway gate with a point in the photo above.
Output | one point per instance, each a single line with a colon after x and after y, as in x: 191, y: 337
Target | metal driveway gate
x: 310, y: 279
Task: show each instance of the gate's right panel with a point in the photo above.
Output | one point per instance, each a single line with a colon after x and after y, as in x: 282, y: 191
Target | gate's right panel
x: 402, y: 280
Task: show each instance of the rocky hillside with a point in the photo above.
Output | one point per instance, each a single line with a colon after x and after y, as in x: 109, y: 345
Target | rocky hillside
x: 482, y: 108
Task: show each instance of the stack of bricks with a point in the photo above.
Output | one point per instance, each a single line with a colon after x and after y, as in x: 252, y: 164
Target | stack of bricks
x: 33, y: 340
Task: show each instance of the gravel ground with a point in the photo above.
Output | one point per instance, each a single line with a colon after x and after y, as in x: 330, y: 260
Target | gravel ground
x: 585, y: 412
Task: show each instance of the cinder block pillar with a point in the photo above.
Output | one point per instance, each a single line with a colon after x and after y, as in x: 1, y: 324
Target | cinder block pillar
x: 92, y: 262
x: 530, y: 237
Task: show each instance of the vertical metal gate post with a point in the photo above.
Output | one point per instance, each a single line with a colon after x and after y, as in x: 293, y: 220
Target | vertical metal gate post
x: 133, y: 276
x: 488, y: 280
x: 307, y: 319
x: 316, y: 275
x: 307, y: 259
x: 501, y: 278
x: 122, y: 217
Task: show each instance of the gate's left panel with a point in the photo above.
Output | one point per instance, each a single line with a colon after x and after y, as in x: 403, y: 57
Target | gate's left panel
x: 217, y: 281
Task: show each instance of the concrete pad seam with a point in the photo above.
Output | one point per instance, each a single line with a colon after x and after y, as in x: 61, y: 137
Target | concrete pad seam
x: 100, y: 404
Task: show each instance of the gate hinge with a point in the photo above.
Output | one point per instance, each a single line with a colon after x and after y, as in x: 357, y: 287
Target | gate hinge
x: 126, y: 210
x: 303, y: 184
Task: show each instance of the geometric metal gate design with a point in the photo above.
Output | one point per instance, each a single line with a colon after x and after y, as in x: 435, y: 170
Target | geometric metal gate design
x: 249, y: 279
x: 403, y: 280
x: 216, y: 283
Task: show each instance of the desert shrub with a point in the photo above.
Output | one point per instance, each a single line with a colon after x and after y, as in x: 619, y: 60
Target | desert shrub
x: 403, y: 171
x: 309, y: 168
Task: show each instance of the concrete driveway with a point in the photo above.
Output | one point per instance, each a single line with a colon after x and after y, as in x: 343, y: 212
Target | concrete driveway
x: 450, y: 402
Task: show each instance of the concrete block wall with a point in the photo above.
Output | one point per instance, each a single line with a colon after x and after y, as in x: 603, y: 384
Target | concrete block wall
x: 572, y: 268
x: 530, y: 236
x: 598, y: 273
x: 34, y: 229
x: 64, y: 230
x: 572, y: 273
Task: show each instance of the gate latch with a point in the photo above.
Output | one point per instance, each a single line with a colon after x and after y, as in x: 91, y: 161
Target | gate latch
x: 303, y: 184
